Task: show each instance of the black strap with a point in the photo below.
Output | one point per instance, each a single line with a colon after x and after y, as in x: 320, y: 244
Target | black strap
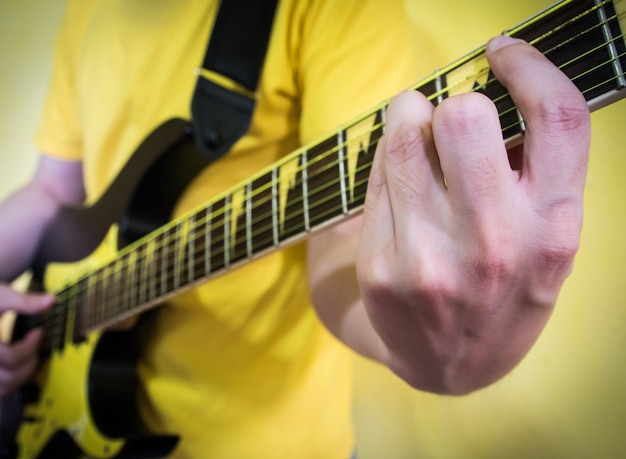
x: 236, y: 50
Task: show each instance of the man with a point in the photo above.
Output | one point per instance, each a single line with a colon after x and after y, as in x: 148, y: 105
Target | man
x: 444, y: 296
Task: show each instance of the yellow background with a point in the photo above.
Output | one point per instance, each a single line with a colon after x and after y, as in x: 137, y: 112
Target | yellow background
x: 568, y: 397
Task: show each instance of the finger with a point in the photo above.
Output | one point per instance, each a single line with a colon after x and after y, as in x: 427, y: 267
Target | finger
x: 555, y: 112
x: 472, y: 153
x: 412, y: 171
x: 411, y: 163
x: 15, y: 355
x: 393, y: 192
x: 19, y: 361
x: 24, y: 303
x: 377, y: 227
x: 12, y: 378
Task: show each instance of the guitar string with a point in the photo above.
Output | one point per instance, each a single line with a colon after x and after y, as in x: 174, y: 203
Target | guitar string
x: 236, y: 255
x: 335, y: 163
x: 319, y: 189
x: 131, y: 266
x: 225, y: 210
x: 215, y: 253
x: 66, y: 294
x: 334, y: 150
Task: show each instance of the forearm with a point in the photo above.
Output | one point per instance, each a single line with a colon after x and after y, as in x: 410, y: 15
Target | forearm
x: 23, y: 216
x: 26, y: 213
x: 335, y: 290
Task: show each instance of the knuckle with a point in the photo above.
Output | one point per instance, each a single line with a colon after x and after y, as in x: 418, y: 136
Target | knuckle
x: 404, y: 154
x: 491, y: 267
x: 402, y: 143
x: 374, y: 277
x: 561, y: 250
x: 568, y: 113
x: 560, y: 240
x: 493, y: 263
x: 433, y: 284
x: 463, y: 113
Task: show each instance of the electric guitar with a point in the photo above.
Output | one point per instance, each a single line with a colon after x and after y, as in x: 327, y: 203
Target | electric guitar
x: 82, y: 403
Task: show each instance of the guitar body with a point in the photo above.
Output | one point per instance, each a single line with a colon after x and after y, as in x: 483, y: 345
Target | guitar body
x: 83, y: 402
x: 86, y: 405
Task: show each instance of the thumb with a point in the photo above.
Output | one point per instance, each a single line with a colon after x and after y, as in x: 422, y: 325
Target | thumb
x: 23, y: 303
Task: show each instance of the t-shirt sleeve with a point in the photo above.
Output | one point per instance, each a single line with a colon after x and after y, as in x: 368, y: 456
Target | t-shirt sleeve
x: 59, y: 134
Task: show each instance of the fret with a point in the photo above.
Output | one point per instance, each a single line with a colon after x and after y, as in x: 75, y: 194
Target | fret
x: 226, y: 227
x: 169, y: 260
x: 248, y: 223
x: 434, y: 88
x: 239, y: 227
x: 292, y: 222
x: 121, y: 286
x: 218, y: 242
x: 324, y: 184
x: 383, y: 120
x: 520, y: 121
x: 128, y: 285
x: 199, y: 245
x: 469, y: 75
x: 430, y: 89
x: 83, y: 299
x: 56, y: 322
x: 97, y: 299
x: 176, y: 255
x: 611, y: 45
x: 150, y: 269
x: 116, y: 292
x: 179, y: 241
x: 159, y: 266
x: 191, y: 249
x: 112, y: 293
x: 343, y: 176
x: 275, y: 207
x: 362, y: 141
x: 106, y: 295
x: 576, y: 44
x: 509, y: 115
x: 305, y: 190
x: 71, y: 312
x: 142, y: 282
x: 440, y: 84
x: 263, y: 225
x: 93, y: 292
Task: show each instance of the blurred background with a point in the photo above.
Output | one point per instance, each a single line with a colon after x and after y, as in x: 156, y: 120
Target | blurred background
x: 567, y: 399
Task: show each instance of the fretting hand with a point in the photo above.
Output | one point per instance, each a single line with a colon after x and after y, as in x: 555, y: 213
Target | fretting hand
x: 461, y: 256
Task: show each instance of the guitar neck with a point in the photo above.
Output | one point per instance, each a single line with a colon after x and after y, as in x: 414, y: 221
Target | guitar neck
x: 326, y: 182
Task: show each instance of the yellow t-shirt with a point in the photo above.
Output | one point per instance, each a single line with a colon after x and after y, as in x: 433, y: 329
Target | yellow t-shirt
x: 240, y: 367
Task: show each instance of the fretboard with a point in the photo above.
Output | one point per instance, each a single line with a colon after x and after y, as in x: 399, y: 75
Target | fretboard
x: 326, y: 182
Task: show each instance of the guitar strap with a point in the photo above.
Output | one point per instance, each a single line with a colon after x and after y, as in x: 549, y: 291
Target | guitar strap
x: 224, y: 96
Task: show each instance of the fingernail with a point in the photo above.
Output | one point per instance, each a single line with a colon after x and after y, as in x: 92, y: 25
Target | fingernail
x: 502, y: 41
